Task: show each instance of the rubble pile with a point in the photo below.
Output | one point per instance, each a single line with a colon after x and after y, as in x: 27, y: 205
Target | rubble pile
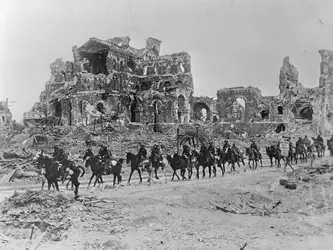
x: 42, y: 209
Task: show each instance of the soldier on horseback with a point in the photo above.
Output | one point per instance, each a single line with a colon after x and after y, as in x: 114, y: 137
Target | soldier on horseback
x: 156, y: 153
x: 236, y: 149
x: 226, y: 146
x: 203, y: 150
x: 330, y: 145
x: 320, y: 140
x: 211, y: 149
x: 255, y: 148
x: 186, y: 151
x: 142, y: 154
x: 59, y: 154
x: 106, y: 155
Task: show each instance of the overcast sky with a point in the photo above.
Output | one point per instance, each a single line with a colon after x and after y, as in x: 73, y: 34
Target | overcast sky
x: 232, y: 42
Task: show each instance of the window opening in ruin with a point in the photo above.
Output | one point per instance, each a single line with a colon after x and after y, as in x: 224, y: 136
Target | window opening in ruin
x: 58, y: 109
x: 238, y: 109
x: 201, y: 111
x: 264, y: 114
x: 215, y: 118
x: 98, y: 62
x: 145, y: 70
x: 135, y: 115
x: 121, y: 66
x: 100, y: 107
x: 280, y: 110
x: 306, y: 113
x: 105, y: 96
x: 180, y: 117
x: 280, y: 128
x: 167, y: 85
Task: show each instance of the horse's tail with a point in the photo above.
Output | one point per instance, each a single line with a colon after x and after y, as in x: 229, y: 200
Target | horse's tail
x: 83, y: 171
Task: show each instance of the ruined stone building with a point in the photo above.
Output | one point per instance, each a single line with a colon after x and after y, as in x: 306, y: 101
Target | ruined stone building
x: 110, y: 80
x: 5, y: 114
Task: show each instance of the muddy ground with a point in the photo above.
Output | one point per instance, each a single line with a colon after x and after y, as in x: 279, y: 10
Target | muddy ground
x: 241, y: 208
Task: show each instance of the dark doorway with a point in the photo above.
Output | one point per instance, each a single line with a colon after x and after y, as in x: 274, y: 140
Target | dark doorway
x: 180, y: 117
x: 58, y: 109
x: 280, y: 110
x: 100, y: 108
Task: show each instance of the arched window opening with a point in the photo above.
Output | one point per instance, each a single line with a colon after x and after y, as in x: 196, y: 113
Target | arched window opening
x: 280, y: 110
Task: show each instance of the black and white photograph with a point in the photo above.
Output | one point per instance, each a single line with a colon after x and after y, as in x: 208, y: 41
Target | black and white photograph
x: 167, y: 125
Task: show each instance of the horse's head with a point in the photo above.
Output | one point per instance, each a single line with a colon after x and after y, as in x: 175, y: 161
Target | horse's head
x: 121, y: 160
x: 129, y: 157
x: 169, y: 158
x: 88, y: 154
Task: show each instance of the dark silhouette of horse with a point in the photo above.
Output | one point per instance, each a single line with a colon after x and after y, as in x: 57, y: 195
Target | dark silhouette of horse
x: 194, y: 162
x: 158, y: 162
x: 320, y: 147
x: 274, y: 152
x: 301, y: 151
x: 134, y: 160
x: 229, y: 156
x: 91, y: 161
x: 50, y: 170
x: 252, y: 157
x: 178, y: 162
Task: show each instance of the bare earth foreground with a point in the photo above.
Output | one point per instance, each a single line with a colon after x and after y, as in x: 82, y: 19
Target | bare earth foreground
x: 219, y: 213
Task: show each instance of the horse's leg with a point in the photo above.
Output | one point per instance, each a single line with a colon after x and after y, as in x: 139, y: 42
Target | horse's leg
x: 203, y: 171
x: 56, y: 185
x: 49, y: 185
x: 210, y: 171
x: 271, y: 158
x: 91, y: 178
x: 173, y: 175
x: 249, y: 163
x: 130, y: 176
x: 156, y: 173
x: 76, y: 183
x: 114, y: 179
x: 139, y: 171
x: 198, y: 170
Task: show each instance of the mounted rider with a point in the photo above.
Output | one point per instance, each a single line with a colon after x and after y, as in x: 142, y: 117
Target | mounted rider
x: 203, y: 150
x: 211, y: 149
x: 226, y: 146
x: 255, y: 148
x: 156, y: 152
x: 320, y: 140
x: 306, y: 141
x: 106, y: 156
x: 142, y: 154
x: 186, y: 151
x: 59, y: 154
x: 236, y: 150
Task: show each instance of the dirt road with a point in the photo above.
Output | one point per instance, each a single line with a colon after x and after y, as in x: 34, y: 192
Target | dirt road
x: 188, y: 215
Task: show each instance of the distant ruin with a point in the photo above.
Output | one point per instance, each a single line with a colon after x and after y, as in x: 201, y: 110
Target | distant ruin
x: 110, y: 80
x: 5, y: 114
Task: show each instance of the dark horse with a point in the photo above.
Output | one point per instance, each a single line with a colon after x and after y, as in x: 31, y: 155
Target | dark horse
x: 274, y: 152
x: 97, y: 167
x: 178, y: 162
x: 231, y: 156
x: 207, y: 161
x: 50, y: 170
x: 134, y: 160
x: 301, y: 151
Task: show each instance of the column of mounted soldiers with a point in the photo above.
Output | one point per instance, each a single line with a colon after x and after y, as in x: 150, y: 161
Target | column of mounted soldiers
x: 208, y: 157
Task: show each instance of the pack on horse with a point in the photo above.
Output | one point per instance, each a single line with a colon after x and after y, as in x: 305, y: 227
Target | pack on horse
x: 178, y: 162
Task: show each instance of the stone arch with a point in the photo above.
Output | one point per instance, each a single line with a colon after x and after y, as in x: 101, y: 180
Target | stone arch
x: 280, y: 128
x: 201, y: 111
x: 238, y: 107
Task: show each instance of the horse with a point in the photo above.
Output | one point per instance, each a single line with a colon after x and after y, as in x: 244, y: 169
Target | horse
x: 320, y: 147
x: 302, y: 152
x: 206, y: 160
x: 98, y: 170
x: 157, y: 162
x: 330, y: 146
x: 134, y: 160
x: 253, y: 157
x: 194, y: 162
x: 50, y: 170
x: 274, y: 152
x: 220, y: 160
x: 177, y: 162
x: 91, y: 160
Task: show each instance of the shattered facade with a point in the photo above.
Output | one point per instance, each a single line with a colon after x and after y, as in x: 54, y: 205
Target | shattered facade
x: 109, y: 79
x: 5, y: 114
x: 294, y: 102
